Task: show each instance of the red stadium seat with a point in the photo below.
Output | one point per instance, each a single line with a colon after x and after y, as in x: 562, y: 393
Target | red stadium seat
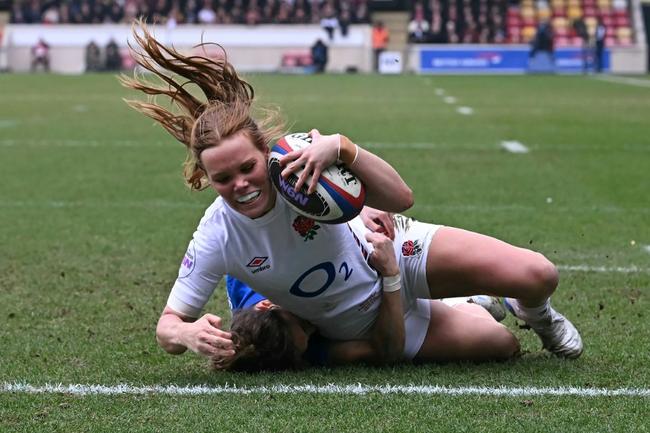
x: 622, y: 21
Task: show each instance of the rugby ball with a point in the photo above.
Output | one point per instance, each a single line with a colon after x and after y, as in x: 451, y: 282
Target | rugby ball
x: 339, y: 194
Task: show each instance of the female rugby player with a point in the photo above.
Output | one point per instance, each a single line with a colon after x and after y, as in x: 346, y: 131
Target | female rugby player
x: 321, y: 275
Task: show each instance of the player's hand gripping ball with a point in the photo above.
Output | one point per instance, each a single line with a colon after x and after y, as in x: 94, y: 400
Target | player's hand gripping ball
x: 339, y: 195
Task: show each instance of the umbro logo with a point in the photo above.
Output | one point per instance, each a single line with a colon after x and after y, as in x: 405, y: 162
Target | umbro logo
x: 258, y: 264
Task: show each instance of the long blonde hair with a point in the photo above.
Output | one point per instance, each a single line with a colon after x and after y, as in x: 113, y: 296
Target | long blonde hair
x: 197, y: 123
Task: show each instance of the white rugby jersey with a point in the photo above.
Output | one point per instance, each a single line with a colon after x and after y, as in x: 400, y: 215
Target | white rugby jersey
x: 317, y: 271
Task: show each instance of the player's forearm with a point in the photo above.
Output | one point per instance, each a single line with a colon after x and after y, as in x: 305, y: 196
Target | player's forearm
x: 388, y: 332
x: 385, y: 188
x: 169, y: 334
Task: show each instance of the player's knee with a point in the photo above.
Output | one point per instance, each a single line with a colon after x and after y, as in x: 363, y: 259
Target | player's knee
x: 506, y: 344
x: 543, y: 276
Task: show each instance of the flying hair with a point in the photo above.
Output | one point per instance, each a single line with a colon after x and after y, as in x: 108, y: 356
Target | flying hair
x: 225, y: 108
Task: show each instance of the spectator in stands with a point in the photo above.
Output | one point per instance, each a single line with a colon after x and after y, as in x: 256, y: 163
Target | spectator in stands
x: 50, y: 15
x: 345, y: 18
x: 543, y: 40
x: 41, y: 55
x: 114, y: 14
x: 329, y: 22
x: 600, y: 36
x: 319, y: 56
x: 361, y: 13
x: 174, y: 17
x: 190, y: 12
x: 223, y: 17
x: 452, y: 36
x: 33, y: 13
x: 284, y: 13
x: 160, y: 11
x: 268, y: 11
x: 113, y: 57
x: 469, y: 30
x: 207, y: 15
x: 299, y: 15
x: 497, y: 28
x: 237, y: 12
x: 93, y: 58
x: 418, y: 27
x: 64, y: 13
x: 380, y: 38
x: 436, y: 29
x: 451, y: 27
x: 253, y: 14
x: 580, y: 28
x: 99, y: 13
x: 331, y: 14
x: 315, y: 12
x: 85, y: 13
x: 131, y: 11
x: 17, y: 15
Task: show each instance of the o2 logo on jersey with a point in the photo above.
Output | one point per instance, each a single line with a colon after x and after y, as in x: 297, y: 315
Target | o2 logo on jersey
x: 189, y: 261
x: 324, y: 274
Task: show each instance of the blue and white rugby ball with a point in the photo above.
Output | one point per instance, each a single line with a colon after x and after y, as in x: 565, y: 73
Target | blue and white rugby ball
x: 339, y: 195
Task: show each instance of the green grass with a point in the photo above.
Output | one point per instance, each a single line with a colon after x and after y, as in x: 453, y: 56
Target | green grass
x: 94, y: 219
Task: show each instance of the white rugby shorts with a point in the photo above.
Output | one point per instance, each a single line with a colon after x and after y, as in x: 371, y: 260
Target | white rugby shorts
x: 412, y: 240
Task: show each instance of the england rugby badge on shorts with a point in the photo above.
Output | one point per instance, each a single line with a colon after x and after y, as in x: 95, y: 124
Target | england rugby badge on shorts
x: 189, y: 260
x: 411, y: 248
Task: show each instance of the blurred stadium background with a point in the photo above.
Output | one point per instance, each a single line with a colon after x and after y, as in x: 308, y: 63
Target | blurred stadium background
x: 426, y: 36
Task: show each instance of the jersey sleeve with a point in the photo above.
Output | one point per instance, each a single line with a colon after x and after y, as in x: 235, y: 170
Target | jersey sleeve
x: 240, y: 295
x: 201, y: 270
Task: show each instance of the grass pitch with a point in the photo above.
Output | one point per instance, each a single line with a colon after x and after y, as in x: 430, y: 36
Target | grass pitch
x: 94, y: 220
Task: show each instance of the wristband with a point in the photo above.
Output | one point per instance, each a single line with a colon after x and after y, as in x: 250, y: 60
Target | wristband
x: 338, y: 151
x: 392, y: 283
x: 356, y: 154
x: 345, y: 153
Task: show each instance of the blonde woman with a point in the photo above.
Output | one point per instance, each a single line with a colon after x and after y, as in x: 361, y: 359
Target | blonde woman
x: 320, y: 272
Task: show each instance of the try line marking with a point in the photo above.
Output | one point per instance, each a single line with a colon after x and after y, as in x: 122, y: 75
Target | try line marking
x: 359, y: 389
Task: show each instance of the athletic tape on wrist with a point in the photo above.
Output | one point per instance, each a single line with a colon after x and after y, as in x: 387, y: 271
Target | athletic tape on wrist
x: 392, y: 283
x: 356, y: 154
x: 338, y: 152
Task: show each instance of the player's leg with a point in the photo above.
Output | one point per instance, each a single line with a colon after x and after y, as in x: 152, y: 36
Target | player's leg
x: 465, y: 333
x: 463, y: 263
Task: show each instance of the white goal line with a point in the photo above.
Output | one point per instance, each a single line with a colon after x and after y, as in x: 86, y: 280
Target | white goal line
x: 358, y: 389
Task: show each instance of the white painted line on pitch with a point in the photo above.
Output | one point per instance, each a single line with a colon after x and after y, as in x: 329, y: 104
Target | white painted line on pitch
x: 623, y: 80
x: 646, y: 248
x: 358, y: 389
x: 80, y: 108
x: 466, y: 111
x: 604, y: 269
x: 439, y: 91
x: 514, y: 147
x: 449, y: 100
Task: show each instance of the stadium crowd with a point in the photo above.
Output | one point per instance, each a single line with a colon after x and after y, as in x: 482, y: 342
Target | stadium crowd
x: 327, y: 13
x: 458, y: 21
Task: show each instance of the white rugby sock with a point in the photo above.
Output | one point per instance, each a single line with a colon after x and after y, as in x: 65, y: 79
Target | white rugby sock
x: 534, y: 315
